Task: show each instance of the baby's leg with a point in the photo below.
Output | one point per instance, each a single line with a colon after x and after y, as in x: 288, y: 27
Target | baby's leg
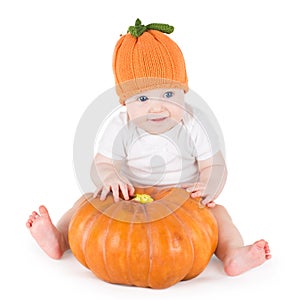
x: 236, y: 257
x: 52, y: 239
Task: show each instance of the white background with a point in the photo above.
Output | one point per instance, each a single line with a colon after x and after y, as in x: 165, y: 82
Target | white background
x: 243, y: 59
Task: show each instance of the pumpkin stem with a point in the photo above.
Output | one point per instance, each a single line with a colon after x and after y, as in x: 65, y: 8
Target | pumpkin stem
x: 143, y: 198
x: 138, y: 29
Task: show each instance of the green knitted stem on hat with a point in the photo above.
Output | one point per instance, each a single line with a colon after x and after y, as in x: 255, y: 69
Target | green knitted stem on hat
x: 138, y: 29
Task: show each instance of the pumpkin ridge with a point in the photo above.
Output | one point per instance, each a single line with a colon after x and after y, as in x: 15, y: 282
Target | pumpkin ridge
x: 116, y: 208
x: 172, y: 273
x: 104, y: 249
x: 78, y: 245
x: 195, y: 271
x: 149, y: 225
x: 111, y: 210
x: 129, y: 247
x: 206, y: 231
x: 207, y: 227
x: 149, y: 236
x: 86, y: 235
x: 186, y: 229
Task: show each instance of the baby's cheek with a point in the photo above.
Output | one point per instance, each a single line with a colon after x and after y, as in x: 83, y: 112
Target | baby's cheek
x: 177, y: 114
x: 136, y: 114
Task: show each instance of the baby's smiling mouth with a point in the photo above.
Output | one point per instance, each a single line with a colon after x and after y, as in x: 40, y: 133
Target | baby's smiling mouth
x: 157, y: 117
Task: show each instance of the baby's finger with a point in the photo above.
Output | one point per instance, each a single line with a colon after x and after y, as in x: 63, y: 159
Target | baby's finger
x: 104, y: 193
x: 97, y: 192
x: 208, y: 199
x: 115, y: 191
x: 197, y: 194
x: 211, y: 204
x: 194, y: 189
x: 124, y: 190
x: 130, y: 189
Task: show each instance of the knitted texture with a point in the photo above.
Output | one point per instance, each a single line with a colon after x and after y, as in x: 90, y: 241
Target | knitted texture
x: 148, y: 60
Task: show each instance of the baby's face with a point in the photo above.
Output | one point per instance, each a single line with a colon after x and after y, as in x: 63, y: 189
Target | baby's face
x: 156, y: 111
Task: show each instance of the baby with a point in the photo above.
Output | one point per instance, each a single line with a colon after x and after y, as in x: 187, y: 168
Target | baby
x: 158, y: 141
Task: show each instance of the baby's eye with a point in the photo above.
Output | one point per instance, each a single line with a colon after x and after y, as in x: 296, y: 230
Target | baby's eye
x: 168, y: 94
x: 142, y: 98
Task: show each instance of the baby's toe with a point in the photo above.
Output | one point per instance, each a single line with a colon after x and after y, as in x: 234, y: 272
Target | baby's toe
x: 29, y: 223
x: 268, y: 252
x: 34, y: 215
x: 261, y: 244
x: 43, y: 210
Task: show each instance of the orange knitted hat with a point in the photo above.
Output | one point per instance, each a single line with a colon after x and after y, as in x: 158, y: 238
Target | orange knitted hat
x: 146, y: 58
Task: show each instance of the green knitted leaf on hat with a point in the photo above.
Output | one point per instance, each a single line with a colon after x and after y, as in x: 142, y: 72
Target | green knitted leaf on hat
x: 165, y: 28
x: 138, y: 29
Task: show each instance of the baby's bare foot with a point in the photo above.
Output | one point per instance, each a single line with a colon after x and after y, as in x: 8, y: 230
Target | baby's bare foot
x: 242, y: 259
x: 45, y: 233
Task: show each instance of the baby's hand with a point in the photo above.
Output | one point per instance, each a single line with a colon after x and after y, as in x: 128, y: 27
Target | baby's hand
x: 114, y: 184
x: 199, y: 189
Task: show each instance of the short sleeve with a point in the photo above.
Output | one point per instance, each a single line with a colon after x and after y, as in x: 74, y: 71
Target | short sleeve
x: 110, y: 141
x: 203, y: 134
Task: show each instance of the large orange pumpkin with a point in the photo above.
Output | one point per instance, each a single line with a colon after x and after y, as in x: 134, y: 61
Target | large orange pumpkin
x: 149, y: 245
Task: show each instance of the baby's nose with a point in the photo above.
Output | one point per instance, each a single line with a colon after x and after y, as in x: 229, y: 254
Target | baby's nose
x: 156, y: 106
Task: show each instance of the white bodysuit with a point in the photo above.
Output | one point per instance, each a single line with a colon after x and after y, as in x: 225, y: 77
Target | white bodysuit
x: 167, y: 159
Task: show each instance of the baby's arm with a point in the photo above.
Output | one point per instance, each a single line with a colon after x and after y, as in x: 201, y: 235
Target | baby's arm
x: 105, y: 174
x: 213, y: 174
